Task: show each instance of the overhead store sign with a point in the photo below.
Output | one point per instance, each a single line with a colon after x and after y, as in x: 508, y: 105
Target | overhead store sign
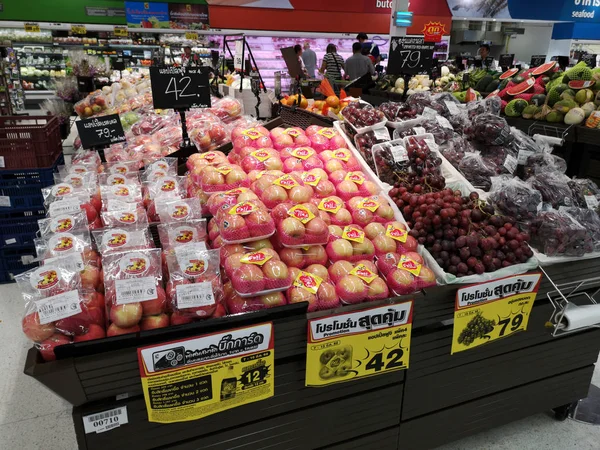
x: 433, y: 31
x: 366, y: 6
x: 188, y: 16
x: 147, y: 15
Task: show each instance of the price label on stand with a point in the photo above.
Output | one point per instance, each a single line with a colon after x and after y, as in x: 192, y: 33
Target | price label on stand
x: 78, y: 29
x: 191, y: 35
x: 194, y: 378
x: 409, y: 55
x: 32, y: 27
x: 120, y: 30
x: 180, y: 87
x: 238, y: 58
x: 537, y: 60
x: 100, y: 131
x: 488, y: 311
x: 506, y: 60
x: 358, y: 344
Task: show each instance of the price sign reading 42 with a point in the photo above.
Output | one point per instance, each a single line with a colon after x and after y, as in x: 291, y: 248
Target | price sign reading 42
x: 359, y: 344
x: 100, y: 131
x: 180, y: 87
x: 488, y: 311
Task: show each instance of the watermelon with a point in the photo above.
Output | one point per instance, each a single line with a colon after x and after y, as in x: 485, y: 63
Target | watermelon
x: 538, y: 99
x: 493, y: 94
x: 581, y: 84
x: 543, y: 68
x: 526, y: 97
x: 521, y: 88
x: 509, y: 73
x: 537, y: 89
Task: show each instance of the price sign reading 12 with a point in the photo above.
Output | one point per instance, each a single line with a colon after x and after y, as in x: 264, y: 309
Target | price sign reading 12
x: 180, y: 87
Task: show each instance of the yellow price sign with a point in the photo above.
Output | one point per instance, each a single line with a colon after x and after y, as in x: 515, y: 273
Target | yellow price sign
x: 488, y: 311
x: 194, y: 378
x: 192, y: 36
x: 32, y: 27
x: 120, y: 30
x: 358, y: 344
x: 78, y: 29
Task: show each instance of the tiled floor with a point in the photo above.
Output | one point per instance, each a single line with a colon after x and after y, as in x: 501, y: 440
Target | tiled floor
x: 33, y: 418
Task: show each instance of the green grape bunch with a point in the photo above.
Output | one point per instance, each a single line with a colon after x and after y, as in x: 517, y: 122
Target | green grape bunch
x: 478, y: 327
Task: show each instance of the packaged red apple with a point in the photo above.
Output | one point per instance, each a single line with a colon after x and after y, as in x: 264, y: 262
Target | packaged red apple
x: 350, y: 184
x: 339, y: 159
x: 182, y: 233
x: 304, y: 257
x: 227, y: 250
x: 122, y: 239
x: 133, y: 216
x: 289, y: 137
x: 226, y: 108
x: 221, y: 178
x: 121, y: 167
x: 76, y: 179
x: 390, y: 237
x: 195, y: 288
x: 120, y: 196
x: 167, y: 188
x: 134, y: 291
x: 263, y: 158
x: 406, y: 273
x: 246, y: 221
x: 366, y: 210
x: 178, y: 209
x: 91, y: 105
x: 335, y: 209
x: 75, y: 222
x: 351, y: 245
x: 318, y: 180
x: 324, y: 138
x: 59, y: 245
x: 301, y: 226
x: 159, y: 168
x: 236, y: 304
x: 87, y: 197
x: 300, y: 159
x: 257, y: 273
x: 262, y: 179
x: 229, y: 198
x: 361, y: 283
x: 149, y: 124
x: 257, y: 137
x: 109, y: 179
x: 57, y: 310
x: 287, y: 188
x: 199, y: 160
x: 314, y: 287
x: 87, y: 158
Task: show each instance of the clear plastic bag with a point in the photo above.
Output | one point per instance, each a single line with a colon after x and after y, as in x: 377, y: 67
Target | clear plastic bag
x: 122, y: 239
x: 182, y: 233
x: 515, y: 198
x: 66, y: 223
x: 585, y: 193
x: 132, y: 215
x: 555, y: 233
x: 554, y: 187
x: 350, y: 245
x: 590, y: 220
x: 489, y: 129
x: 178, y: 210
x: 477, y: 170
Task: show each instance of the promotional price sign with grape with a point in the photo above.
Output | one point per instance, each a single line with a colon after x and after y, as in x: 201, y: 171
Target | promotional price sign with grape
x: 359, y: 344
x: 196, y: 377
x: 488, y: 311
x: 410, y: 55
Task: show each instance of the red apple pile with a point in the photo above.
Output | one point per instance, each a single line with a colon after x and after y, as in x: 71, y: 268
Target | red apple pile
x: 323, y: 138
x: 349, y: 244
x: 245, y: 221
x: 300, y: 225
x: 313, y: 285
x: 359, y: 282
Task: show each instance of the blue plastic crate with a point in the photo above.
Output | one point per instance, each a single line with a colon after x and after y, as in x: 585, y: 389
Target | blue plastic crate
x: 19, y: 227
x: 16, y: 260
x: 22, y: 188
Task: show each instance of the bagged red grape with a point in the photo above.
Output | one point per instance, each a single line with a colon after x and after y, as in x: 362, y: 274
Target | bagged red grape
x: 590, y: 221
x: 555, y: 233
x: 554, y: 187
x: 515, y: 198
x: 478, y: 171
x: 585, y: 193
x: 489, y: 129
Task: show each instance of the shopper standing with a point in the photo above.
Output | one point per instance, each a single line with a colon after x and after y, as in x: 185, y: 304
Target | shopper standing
x: 358, y: 64
x: 298, y: 51
x: 310, y: 60
x: 369, y: 48
x: 332, y: 64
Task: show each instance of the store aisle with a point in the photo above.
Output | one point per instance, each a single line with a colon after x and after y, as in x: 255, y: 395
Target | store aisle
x: 33, y: 418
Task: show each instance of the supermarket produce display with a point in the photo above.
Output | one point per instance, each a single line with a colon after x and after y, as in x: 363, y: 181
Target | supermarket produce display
x: 405, y: 201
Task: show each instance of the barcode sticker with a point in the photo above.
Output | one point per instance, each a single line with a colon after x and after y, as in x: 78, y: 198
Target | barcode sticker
x: 444, y: 122
x: 2, y: 161
x: 105, y: 421
x: 429, y: 112
x: 399, y: 153
x: 510, y: 164
x: 73, y: 262
x: 5, y: 201
x: 58, y: 307
x: 195, y: 295
x: 10, y: 241
x: 187, y: 254
x: 591, y: 201
x: 63, y: 207
x: 432, y: 145
x: 119, y: 205
x: 523, y: 156
x: 452, y: 107
x: 419, y: 130
x: 135, y: 290
x: 382, y: 134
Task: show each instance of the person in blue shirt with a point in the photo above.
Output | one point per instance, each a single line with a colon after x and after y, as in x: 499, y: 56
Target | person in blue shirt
x: 369, y: 49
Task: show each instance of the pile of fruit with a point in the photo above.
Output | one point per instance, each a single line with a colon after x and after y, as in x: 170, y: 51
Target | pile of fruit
x: 546, y: 93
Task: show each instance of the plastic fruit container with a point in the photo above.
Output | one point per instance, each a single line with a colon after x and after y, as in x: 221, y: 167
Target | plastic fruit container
x: 390, y: 237
x: 229, y: 198
x: 314, y: 287
x: 339, y: 159
x: 409, y: 274
x: 351, y: 245
x: 366, y: 210
x: 300, y: 225
x: 360, y: 283
x: 322, y: 138
x: 245, y: 221
x: 257, y: 273
x: 333, y: 210
x: 287, y: 188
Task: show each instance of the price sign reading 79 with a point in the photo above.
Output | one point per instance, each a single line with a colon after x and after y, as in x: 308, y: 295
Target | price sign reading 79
x: 101, y: 131
x: 409, y: 55
x: 180, y: 87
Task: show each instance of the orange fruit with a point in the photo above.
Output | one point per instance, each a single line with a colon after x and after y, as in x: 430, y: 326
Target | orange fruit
x: 333, y: 101
x: 304, y: 103
x: 319, y: 104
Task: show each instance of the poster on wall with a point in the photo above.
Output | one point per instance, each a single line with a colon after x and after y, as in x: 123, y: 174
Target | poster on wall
x: 480, y: 8
x: 366, y: 6
x: 147, y: 15
x: 187, y: 16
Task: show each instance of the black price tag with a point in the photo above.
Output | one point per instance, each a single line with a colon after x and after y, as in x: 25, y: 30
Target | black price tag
x: 410, y: 55
x: 537, y: 60
x: 100, y: 131
x: 180, y: 87
x: 590, y: 60
x: 507, y: 60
